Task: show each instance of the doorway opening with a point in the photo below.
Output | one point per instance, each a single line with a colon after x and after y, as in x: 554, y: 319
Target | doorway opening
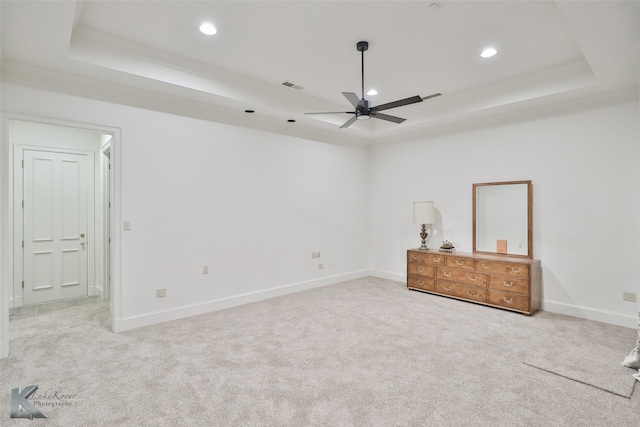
x: 61, y: 192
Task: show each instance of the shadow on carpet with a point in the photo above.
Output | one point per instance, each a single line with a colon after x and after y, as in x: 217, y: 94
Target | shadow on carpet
x: 615, y: 383
x: 579, y: 351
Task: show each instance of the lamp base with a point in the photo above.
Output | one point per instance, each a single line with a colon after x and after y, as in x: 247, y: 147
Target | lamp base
x: 423, y: 235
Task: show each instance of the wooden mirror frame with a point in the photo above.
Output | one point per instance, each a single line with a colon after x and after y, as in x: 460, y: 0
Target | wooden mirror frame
x: 529, y: 218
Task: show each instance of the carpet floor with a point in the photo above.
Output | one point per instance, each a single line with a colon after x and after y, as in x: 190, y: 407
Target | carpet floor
x: 366, y: 352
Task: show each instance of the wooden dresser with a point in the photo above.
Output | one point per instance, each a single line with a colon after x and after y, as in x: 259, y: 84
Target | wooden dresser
x: 503, y: 282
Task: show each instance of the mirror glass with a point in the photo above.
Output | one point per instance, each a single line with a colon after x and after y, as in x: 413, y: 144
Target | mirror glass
x: 502, y: 218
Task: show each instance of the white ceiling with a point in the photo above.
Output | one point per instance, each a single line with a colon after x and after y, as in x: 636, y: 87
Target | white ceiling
x: 553, y: 56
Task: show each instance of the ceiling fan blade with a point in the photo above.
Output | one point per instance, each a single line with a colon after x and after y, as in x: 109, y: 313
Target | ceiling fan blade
x: 333, y: 112
x: 398, y: 103
x: 349, y: 122
x: 424, y: 98
x: 387, y: 117
x: 352, y: 98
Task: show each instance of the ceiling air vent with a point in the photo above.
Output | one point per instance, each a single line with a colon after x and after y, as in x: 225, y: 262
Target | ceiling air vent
x: 292, y: 85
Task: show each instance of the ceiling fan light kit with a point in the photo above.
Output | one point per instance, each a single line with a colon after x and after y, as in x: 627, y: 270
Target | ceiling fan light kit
x: 364, y: 110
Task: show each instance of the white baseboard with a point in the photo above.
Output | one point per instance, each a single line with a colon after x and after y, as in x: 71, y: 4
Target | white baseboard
x: 147, y: 319
x: 388, y: 275
x: 591, y: 314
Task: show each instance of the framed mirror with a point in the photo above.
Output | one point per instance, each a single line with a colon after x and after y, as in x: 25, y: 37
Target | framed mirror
x: 502, y: 218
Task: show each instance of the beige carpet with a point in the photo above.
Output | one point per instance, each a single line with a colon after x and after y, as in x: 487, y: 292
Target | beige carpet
x: 361, y: 353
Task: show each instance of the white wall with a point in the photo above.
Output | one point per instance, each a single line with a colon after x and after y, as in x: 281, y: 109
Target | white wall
x: 586, y: 191
x: 250, y: 205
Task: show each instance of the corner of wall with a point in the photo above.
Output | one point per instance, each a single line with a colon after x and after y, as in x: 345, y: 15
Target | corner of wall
x: 388, y: 275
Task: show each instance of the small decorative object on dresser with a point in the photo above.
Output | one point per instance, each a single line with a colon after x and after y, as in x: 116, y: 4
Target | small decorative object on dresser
x: 447, y: 246
x: 498, y: 281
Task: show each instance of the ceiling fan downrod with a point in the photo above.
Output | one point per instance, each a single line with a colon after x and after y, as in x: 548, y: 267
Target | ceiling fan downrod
x: 362, y: 47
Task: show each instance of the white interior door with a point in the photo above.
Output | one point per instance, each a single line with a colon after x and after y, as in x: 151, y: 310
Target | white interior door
x: 55, y: 225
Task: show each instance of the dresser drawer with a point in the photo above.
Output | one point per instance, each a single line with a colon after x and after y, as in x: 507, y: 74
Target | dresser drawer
x: 416, y: 257
x: 460, y: 262
x: 503, y: 268
x: 426, y: 258
x: 464, y: 276
x: 426, y: 283
x: 509, y: 300
x: 420, y: 270
x: 435, y: 259
x: 462, y: 291
x: 510, y: 284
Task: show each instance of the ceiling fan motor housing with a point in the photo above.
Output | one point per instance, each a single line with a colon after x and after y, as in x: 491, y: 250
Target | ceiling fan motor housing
x: 364, y: 105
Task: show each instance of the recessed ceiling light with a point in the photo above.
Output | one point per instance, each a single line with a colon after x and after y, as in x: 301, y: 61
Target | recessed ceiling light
x: 208, y: 29
x: 291, y: 121
x: 249, y: 111
x: 372, y: 92
x: 488, y: 52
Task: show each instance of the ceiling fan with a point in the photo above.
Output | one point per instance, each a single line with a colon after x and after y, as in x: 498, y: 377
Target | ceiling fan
x: 364, y: 110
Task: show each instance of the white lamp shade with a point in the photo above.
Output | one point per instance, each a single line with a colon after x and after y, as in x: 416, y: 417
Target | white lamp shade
x: 424, y: 213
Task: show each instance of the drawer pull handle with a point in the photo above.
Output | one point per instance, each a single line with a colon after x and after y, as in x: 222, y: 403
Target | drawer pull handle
x: 460, y: 262
x: 446, y: 274
x: 473, y: 279
x: 420, y: 282
x: 420, y: 269
x: 508, y: 284
x: 486, y: 267
x: 507, y: 300
x: 415, y: 257
x: 515, y: 270
x: 447, y: 288
x: 473, y: 293
x: 435, y: 259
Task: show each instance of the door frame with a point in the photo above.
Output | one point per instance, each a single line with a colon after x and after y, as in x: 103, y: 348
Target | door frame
x: 7, y: 237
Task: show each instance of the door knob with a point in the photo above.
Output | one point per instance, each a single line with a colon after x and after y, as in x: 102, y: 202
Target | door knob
x: 82, y: 235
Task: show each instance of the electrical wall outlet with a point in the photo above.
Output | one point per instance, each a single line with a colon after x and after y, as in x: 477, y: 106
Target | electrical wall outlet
x: 320, y: 266
x: 629, y: 296
x: 161, y: 293
x: 205, y: 269
x: 127, y: 226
